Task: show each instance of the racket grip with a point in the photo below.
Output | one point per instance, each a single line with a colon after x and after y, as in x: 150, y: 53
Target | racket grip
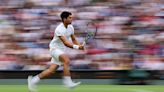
x: 83, y: 43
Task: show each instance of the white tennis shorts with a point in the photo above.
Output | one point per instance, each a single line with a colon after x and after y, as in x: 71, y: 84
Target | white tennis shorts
x: 55, y: 53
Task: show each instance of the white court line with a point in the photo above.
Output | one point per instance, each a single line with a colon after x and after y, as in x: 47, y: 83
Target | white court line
x: 141, y: 90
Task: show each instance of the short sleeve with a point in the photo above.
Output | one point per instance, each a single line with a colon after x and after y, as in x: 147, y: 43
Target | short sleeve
x: 59, y: 33
x: 72, y: 29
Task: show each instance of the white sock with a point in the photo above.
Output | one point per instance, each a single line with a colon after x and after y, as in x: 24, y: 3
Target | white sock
x: 35, y: 79
x: 67, y: 78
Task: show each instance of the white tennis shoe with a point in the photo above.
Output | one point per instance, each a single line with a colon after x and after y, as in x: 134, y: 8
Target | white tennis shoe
x: 31, y: 86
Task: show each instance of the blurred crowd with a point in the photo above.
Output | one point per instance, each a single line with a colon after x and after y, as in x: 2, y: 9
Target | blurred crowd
x: 130, y: 33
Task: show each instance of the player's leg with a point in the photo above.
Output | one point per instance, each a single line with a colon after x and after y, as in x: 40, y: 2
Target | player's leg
x: 55, y: 53
x: 32, y: 81
x: 66, y: 75
x: 48, y: 72
x: 66, y: 61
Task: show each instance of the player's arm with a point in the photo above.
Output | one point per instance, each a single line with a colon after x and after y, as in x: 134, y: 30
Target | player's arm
x: 73, y: 37
x: 70, y: 45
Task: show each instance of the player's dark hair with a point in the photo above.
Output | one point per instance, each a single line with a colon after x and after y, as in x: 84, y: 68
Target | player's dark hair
x: 65, y: 14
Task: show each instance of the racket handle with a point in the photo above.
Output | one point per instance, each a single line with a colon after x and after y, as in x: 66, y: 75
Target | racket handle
x: 83, y: 43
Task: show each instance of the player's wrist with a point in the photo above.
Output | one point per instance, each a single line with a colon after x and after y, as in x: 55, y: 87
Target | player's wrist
x: 76, y: 46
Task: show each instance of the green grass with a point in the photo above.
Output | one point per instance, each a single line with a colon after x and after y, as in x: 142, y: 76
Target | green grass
x: 86, y: 88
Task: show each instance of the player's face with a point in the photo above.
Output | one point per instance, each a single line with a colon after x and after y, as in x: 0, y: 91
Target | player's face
x: 69, y: 19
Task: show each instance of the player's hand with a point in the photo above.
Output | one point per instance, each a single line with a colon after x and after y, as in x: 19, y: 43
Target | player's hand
x: 81, y: 47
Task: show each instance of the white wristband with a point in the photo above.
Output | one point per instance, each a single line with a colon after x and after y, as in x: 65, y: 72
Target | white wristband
x: 76, y: 46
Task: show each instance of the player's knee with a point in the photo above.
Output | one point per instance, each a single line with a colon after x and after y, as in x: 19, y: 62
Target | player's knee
x: 64, y: 59
x: 67, y: 62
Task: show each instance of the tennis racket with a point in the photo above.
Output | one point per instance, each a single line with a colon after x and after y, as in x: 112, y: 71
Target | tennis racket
x: 90, y: 32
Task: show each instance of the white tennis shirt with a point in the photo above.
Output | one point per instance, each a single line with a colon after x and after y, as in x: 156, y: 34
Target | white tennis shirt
x: 61, y: 30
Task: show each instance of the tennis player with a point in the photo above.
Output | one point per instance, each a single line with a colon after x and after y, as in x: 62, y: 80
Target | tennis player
x: 60, y: 41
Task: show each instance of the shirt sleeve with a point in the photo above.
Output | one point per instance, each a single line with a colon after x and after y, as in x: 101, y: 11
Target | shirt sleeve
x: 72, y: 29
x: 59, y: 32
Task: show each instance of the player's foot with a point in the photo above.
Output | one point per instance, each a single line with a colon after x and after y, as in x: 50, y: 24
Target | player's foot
x: 71, y: 84
x: 31, y: 86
